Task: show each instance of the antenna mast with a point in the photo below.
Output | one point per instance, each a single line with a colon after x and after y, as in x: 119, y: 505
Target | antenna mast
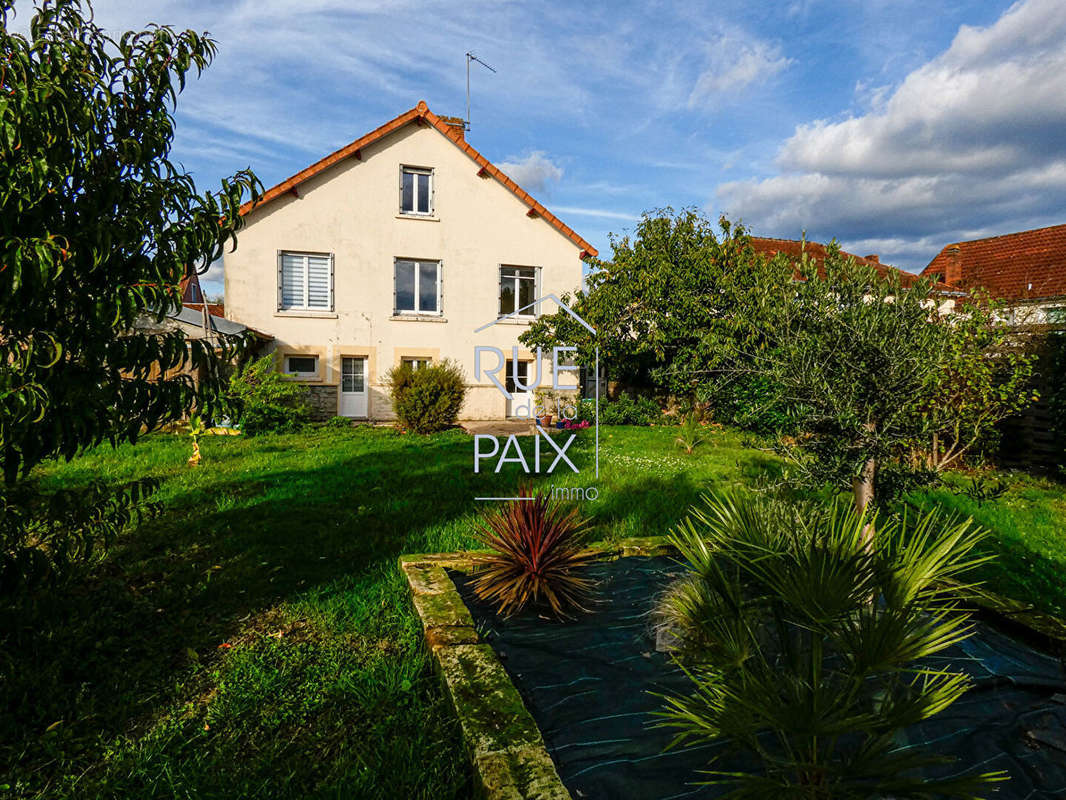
x: 471, y: 57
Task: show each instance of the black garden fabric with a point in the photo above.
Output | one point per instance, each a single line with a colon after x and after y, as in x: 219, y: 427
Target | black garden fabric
x: 591, y: 685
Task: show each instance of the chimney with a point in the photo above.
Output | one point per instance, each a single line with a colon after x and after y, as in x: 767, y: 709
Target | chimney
x: 953, y: 265
x: 874, y: 258
x: 457, y: 124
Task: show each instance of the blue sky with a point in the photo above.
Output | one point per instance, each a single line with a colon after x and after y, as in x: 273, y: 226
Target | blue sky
x: 895, y: 126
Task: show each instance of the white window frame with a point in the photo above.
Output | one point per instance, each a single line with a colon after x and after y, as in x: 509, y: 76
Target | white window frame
x: 416, y: 363
x: 304, y: 254
x: 418, y: 262
x: 291, y: 374
x: 529, y: 314
x: 427, y: 171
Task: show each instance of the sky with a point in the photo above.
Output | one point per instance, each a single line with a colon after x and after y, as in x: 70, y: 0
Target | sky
x: 896, y: 127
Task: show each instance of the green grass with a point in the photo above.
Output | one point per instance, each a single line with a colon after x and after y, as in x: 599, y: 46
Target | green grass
x: 255, y: 638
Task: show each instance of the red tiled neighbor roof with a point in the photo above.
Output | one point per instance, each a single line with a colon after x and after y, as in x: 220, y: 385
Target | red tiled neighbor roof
x: 449, y: 127
x: 794, y: 248
x: 1030, y: 265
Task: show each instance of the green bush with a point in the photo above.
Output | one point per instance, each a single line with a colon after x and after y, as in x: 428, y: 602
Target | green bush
x: 625, y: 410
x: 427, y: 399
x: 269, y: 402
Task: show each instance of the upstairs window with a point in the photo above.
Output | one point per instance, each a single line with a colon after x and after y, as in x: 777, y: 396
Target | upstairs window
x: 417, y: 363
x: 305, y: 282
x: 518, y: 290
x: 416, y: 191
x: 417, y: 287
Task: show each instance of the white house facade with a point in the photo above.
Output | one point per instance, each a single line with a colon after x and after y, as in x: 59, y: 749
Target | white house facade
x: 398, y: 248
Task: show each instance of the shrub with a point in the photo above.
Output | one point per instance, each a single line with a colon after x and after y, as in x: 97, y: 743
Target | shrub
x: 427, y: 399
x: 269, y: 402
x: 778, y: 594
x: 626, y: 410
x: 338, y: 423
x: 536, y: 556
x: 691, y: 434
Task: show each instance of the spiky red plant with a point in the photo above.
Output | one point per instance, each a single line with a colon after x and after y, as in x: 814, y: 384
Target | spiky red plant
x: 537, y: 556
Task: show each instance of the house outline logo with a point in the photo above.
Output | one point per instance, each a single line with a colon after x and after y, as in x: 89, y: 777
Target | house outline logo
x: 539, y: 431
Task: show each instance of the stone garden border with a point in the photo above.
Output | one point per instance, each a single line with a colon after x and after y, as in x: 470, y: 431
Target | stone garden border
x: 506, y: 749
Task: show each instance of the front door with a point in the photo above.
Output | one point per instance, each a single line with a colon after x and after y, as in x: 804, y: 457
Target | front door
x: 353, y: 387
x: 522, y: 402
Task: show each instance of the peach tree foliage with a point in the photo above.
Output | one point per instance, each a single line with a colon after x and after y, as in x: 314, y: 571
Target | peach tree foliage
x: 664, y: 306
x: 97, y: 229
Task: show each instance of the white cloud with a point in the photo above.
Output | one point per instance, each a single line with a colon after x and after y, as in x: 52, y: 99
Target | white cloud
x: 601, y: 213
x: 736, y: 61
x: 534, y: 173
x: 970, y: 141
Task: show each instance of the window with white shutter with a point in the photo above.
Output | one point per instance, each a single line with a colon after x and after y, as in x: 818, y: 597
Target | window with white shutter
x: 305, y: 281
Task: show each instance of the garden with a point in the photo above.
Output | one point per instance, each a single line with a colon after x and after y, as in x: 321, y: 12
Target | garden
x: 799, y: 544
x: 257, y: 632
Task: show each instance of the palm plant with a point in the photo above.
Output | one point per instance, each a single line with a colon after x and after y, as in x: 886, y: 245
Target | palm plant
x: 691, y: 434
x: 805, y: 644
x: 537, y: 556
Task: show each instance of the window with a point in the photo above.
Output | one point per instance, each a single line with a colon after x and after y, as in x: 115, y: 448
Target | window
x: 353, y: 375
x: 416, y: 363
x: 523, y: 376
x: 518, y: 290
x: 417, y: 287
x: 416, y: 190
x: 301, y: 366
x: 305, y: 281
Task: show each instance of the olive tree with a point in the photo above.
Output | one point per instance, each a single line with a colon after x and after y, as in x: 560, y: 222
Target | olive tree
x: 874, y: 369
x: 97, y: 229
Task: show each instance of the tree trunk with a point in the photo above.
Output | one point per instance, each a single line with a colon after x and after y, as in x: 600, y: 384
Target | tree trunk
x: 862, y: 489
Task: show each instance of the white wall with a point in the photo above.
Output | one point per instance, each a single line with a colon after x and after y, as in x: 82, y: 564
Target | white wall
x: 351, y: 210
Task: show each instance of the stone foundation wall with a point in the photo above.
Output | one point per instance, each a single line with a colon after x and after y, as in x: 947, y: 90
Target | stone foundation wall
x: 323, y: 402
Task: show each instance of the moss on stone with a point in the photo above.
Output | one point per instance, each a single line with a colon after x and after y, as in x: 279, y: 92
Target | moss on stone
x: 490, y: 710
x: 519, y: 773
x: 442, y: 610
x: 427, y: 578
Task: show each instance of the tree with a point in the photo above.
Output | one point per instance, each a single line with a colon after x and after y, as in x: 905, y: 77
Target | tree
x: 664, y: 306
x: 986, y: 378
x: 873, y: 370
x: 97, y: 229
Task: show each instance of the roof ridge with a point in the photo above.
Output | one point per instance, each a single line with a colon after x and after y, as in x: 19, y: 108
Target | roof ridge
x: 421, y: 111
x: 1005, y: 235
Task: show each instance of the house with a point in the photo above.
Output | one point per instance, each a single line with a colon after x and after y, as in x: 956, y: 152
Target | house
x: 397, y: 248
x: 1026, y: 269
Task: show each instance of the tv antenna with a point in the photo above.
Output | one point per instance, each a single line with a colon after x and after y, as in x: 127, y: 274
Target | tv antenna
x: 471, y: 57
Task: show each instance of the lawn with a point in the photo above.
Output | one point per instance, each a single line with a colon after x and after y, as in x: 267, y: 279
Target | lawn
x: 255, y: 638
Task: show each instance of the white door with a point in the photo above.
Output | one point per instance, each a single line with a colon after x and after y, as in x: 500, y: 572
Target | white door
x: 522, y: 403
x: 353, y: 387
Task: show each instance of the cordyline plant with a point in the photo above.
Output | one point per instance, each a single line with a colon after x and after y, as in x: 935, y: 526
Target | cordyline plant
x: 805, y: 645
x: 97, y: 230
x: 537, y: 556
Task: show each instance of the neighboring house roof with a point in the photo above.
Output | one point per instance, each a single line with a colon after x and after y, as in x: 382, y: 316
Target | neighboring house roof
x: 793, y: 249
x: 450, y: 128
x: 1030, y: 265
x: 192, y: 316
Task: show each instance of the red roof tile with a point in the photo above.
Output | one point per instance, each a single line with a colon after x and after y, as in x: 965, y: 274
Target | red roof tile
x: 1030, y: 265
x: 454, y: 133
x: 793, y: 249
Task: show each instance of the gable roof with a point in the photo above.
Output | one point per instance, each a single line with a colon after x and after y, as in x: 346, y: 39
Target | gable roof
x: 454, y: 134
x: 1029, y: 265
x: 793, y: 248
